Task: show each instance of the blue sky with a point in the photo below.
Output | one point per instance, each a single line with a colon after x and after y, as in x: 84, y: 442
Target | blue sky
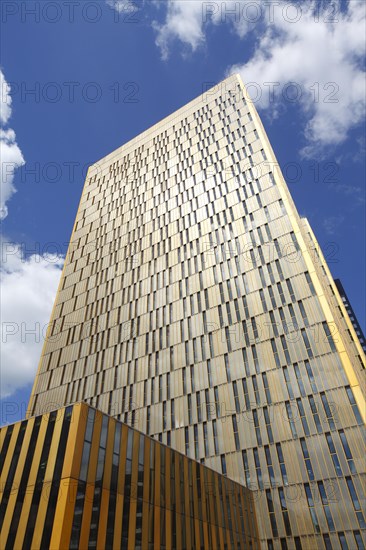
x: 103, y: 73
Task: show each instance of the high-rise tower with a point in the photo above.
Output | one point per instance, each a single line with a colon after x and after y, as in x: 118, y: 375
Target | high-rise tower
x: 196, y: 305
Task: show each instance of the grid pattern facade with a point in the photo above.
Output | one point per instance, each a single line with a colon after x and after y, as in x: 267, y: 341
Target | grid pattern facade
x: 196, y: 305
x: 77, y: 479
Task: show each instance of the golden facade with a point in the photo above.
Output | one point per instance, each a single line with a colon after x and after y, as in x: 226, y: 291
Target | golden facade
x: 196, y: 305
x: 76, y: 478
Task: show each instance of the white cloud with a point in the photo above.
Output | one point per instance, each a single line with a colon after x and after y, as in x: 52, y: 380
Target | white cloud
x: 315, y: 46
x: 348, y: 189
x: 187, y: 20
x: 332, y: 224
x: 28, y: 288
x: 28, y: 285
x: 184, y: 22
x: 5, y: 100
x: 10, y: 155
x: 11, y: 158
x: 323, y: 59
x: 122, y: 5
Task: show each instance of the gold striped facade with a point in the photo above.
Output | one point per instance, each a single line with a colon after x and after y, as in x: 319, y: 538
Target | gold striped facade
x: 78, y: 479
x: 196, y: 305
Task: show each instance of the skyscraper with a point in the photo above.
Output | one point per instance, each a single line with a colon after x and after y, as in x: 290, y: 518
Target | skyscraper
x: 195, y: 304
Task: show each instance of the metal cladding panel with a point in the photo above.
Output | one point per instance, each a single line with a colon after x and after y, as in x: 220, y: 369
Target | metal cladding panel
x: 77, y: 479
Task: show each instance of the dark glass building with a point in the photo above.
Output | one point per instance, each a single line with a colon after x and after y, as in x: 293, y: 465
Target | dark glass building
x: 351, y: 313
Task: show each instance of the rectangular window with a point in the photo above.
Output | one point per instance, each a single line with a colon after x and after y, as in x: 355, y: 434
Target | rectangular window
x: 311, y: 377
x: 310, y: 500
x: 266, y: 388
x: 275, y: 353
x: 246, y: 394
x: 353, y: 404
x: 327, y: 512
x: 227, y: 337
x: 161, y: 387
x: 327, y: 542
x: 148, y: 420
x: 184, y: 380
x: 328, y: 334
x: 281, y: 462
x: 186, y: 440
x: 310, y: 283
x: 281, y: 294
x: 223, y: 465
x: 269, y: 465
x: 268, y: 424
x: 307, y: 343
x: 227, y: 367
x: 172, y: 414
x: 256, y: 390
x: 347, y: 452
x: 258, y: 468
x: 270, y: 273
x: 358, y: 540
x: 333, y: 454
x: 285, y: 350
x: 189, y: 402
x: 246, y: 468
x: 299, y: 380
x: 293, y: 318
x: 205, y: 439
x: 257, y: 428
x: 303, y: 313
x: 236, y: 433
x: 255, y: 358
x: 198, y: 404
x: 291, y: 419
x: 195, y: 437
x: 263, y: 300
x: 193, y: 386
x: 164, y: 415
x: 271, y: 511
x: 356, y: 503
x: 209, y: 373
x: 286, y: 519
x: 328, y: 411
x: 236, y: 397
x: 217, y: 402
x: 304, y: 422
x: 274, y: 324
x: 288, y: 382
x: 216, y: 442
x: 307, y: 460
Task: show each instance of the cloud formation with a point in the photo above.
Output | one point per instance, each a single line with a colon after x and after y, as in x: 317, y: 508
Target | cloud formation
x: 28, y: 288
x: 187, y: 20
x: 332, y: 224
x: 316, y: 63
x: 28, y: 285
x: 10, y: 154
x: 184, y: 22
x: 308, y: 53
x: 121, y: 6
